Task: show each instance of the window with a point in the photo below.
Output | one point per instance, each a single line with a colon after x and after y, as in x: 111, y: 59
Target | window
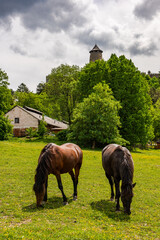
x: 16, y: 120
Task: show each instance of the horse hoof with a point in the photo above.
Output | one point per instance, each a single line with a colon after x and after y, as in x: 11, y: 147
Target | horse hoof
x: 117, y: 210
x: 112, y: 199
x: 75, y: 198
x: 40, y: 206
x: 65, y: 203
x: 128, y: 213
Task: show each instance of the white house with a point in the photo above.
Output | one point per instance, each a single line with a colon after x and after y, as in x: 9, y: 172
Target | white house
x: 26, y: 117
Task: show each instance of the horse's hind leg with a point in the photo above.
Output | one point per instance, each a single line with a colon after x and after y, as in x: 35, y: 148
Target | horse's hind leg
x: 74, y: 185
x: 118, y: 194
x: 61, y: 188
x: 111, y: 184
x: 77, y: 169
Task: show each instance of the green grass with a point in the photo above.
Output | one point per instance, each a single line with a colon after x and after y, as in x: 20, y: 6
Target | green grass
x: 92, y: 216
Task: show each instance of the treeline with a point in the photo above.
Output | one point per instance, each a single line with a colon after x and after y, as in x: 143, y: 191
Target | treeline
x: 104, y: 102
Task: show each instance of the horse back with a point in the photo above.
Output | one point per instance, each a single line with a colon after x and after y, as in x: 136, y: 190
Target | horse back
x: 113, y: 157
x: 62, y: 159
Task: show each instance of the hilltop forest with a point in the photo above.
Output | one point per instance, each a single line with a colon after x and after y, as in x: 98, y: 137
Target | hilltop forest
x: 103, y: 102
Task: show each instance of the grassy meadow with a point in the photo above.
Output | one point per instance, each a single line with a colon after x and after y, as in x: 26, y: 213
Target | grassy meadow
x: 92, y: 216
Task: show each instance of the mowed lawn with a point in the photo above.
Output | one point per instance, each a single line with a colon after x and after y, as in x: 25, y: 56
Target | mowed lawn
x: 92, y: 216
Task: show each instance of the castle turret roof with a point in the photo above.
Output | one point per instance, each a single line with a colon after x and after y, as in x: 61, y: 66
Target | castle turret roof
x: 95, y: 49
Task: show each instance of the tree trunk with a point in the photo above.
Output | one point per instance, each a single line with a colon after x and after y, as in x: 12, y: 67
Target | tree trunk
x: 93, y: 144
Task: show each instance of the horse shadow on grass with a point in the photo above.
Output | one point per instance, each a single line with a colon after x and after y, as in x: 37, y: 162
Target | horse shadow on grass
x: 52, y: 203
x: 109, y: 208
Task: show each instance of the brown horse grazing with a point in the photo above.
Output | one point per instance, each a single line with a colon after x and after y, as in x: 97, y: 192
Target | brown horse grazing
x: 56, y: 160
x: 117, y: 163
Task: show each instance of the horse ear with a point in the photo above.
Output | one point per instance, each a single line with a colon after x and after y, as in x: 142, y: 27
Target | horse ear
x: 133, y: 185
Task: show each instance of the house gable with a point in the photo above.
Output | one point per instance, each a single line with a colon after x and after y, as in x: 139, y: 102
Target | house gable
x: 21, y: 118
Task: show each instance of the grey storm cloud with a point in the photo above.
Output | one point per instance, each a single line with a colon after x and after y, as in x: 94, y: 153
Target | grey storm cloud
x: 105, y: 40
x: 17, y: 49
x: 137, y: 49
x: 10, y: 7
x: 54, y: 15
x: 147, y: 9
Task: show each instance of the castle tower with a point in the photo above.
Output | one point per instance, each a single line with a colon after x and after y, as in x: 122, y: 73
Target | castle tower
x: 95, y: 54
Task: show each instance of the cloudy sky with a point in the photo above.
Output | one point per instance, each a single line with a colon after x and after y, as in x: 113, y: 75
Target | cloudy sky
x: 38, y: 35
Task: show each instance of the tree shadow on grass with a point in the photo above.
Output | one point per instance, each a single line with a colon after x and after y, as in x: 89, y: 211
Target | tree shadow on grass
x: 52, y: 203
x: 109, y: 208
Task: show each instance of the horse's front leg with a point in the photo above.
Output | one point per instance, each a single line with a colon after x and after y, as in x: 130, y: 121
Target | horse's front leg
x: 118, y: 194
x: 74, y: 185
x: 45, y: 194
x: 61, y: 188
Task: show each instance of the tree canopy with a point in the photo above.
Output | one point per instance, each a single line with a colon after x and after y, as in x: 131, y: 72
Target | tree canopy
x: 5, y: 93
x: 130, y: 88
x: 62, y: 91
x: 96, y: 119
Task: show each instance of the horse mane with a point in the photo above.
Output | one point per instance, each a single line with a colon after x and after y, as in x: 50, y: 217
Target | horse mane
x: 42, y: 168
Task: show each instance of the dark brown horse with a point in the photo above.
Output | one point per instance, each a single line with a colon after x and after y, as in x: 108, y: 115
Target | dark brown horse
x: 118, y: 164
x: 57, y: 160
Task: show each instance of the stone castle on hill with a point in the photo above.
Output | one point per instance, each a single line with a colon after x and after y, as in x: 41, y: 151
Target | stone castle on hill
x: 96, y: 54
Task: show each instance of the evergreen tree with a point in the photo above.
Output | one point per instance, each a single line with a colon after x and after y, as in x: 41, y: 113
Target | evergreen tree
x: 23, y: 88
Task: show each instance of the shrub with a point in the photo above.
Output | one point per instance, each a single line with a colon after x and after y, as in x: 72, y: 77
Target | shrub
x: 6, y: 129
x: 31, y: 132
x: 42, y: 128
x: 62, y: 135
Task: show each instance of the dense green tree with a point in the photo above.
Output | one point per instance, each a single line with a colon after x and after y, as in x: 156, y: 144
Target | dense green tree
x: 62, y: 91
x: 23, y: 88
x: 156, y: 120
x: 90, y: 75
x: 132, y: 90
x: 6, y: 100
x: 95, y: 119
x: 154, y: 84
x: 37, y: 101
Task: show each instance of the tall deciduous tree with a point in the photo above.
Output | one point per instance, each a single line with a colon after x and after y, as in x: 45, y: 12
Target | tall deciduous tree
x: 5, y: 93
x: 5, y: 105
x: 156, y: 120
x: 90, y: 75
x: 37, y: 101
x: 62, y: 91
x: 130, y: 88
x: 96, y: 119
